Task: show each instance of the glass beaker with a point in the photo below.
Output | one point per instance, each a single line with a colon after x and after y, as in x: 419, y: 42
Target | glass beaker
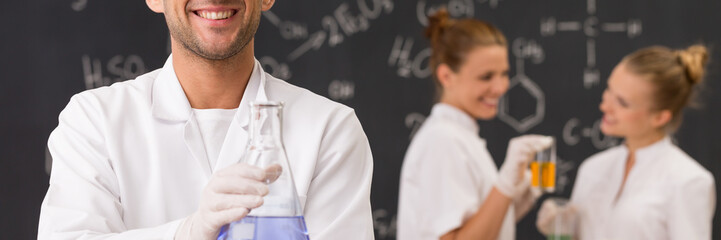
x: 563, y: 226
x: 280, y: 217
x: 543, y: 169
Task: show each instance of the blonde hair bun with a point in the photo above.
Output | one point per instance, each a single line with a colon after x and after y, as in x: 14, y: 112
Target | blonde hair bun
x: 693, y: 59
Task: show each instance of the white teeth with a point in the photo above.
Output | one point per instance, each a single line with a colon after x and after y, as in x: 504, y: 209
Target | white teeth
x: 215, y: 15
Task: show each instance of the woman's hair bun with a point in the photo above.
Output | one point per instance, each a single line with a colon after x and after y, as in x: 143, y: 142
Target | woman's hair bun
x: 693, y: 59
x: 437, y: 23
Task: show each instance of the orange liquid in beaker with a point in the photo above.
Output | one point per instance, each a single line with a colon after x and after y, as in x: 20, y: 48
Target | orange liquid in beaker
x: 548, y: 175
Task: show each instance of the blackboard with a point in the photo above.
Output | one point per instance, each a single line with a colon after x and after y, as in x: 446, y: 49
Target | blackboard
x: 367, y: 54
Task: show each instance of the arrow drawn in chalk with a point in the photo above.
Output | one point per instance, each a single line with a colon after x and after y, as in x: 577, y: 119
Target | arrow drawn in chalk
x: 274, y: 19
x: 314, y: 42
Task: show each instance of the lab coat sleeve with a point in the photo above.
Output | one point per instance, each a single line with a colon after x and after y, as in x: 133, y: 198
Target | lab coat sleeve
x: 692, y: 208
x: 82, y: 201
x: 445, y: 187
x: 338, y: 198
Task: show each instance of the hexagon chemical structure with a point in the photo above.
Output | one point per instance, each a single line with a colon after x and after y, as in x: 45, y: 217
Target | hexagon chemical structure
x: 522, y: 125
x: 524, y: 49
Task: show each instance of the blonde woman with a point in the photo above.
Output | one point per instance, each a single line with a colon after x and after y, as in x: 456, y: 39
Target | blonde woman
x: 646, y: 188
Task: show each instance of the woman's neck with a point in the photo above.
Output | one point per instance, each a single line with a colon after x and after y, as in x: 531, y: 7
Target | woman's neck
x: 638, y: 142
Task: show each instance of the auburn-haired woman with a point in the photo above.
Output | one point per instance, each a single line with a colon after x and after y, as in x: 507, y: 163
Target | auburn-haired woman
x: 450, y: 186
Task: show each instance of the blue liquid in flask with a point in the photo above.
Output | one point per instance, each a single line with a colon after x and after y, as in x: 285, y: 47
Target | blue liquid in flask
x: 281, y: 215
x: 266, y: 228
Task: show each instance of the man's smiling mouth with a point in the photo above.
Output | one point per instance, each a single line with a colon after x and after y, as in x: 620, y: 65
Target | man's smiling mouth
x: 215, y: 15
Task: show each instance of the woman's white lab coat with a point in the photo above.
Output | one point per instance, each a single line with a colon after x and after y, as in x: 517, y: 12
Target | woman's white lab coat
x: 667, y: 195
x: 447, y: 174
x: 129, y: 161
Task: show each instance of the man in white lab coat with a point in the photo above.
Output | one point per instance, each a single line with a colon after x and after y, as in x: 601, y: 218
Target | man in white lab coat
x: 156, y: 157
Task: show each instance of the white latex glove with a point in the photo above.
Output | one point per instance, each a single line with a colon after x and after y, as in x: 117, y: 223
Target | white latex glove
x: 548, y: 213
x: 528, y: 197
x: 520, y: 152
x: 229, y: 196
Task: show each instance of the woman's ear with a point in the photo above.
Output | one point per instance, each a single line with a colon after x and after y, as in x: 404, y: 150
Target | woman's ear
x: 662, y: 118
x: 155, y: 5
x: 445, y: 75
x: 266, y: 4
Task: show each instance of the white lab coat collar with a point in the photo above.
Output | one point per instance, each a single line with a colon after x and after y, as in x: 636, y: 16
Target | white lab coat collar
x: 454, y: 114
x: 650, y: 152
x: 170, y: 103
x: 168, y: 98
x: 654, y: 150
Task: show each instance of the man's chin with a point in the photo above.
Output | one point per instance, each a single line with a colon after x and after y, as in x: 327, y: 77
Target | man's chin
x: 220, y: 51
x: 216, y: 54
x: 217, y: 57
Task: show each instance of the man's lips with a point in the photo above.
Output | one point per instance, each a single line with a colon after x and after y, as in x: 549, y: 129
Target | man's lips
x: 215, y: 14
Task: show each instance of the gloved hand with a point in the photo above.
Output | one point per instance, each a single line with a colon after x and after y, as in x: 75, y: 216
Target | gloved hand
x: 528, y: 197
x: 549, y: 211
x: 229, y: 196
x: 520, y: 152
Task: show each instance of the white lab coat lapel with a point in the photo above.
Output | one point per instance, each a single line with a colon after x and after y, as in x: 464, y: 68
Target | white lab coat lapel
x: 236, y: 139
x: 171, y: 104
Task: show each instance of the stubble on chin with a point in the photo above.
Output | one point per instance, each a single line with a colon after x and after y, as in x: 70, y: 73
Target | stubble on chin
x: 192, y: 44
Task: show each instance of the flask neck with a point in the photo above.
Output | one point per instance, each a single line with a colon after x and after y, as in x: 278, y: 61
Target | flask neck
x: 265, y: 124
